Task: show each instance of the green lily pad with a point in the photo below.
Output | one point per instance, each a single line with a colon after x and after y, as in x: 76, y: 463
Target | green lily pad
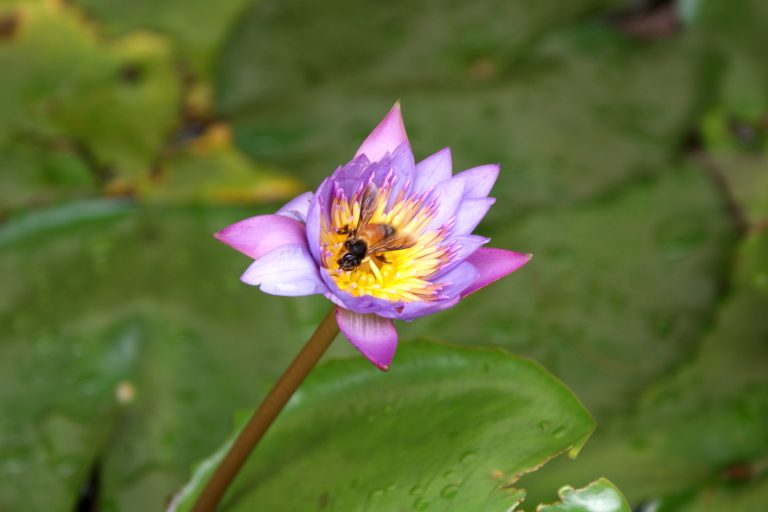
x: 211, y: 170
x: 196, y: 28
x: 104, y: 300
x: 51, y: 438
x: 110, y: 104
x: 31, y: 174
x: 447, y: 427
x: 692, y: 424
x: 570, y: 108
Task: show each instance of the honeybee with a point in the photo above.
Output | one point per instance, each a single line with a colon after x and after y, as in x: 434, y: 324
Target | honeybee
x: 370, y: 238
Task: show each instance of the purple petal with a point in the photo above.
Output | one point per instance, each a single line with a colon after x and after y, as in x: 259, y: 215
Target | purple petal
x: 317, y: 209
x: 448, y: 194
x: 288, y: 270
x: 260, y: 235
x: 461, y: 248
x: 297, y: 207
x: 470, y: 213
x: 432, y: 170
x: 478, y: 181
x: 386, y: 137
x: 350, y: 175
x: 493, y: 264
x: 403, y: 167
x: 457, y: 280
x: 375, y: 337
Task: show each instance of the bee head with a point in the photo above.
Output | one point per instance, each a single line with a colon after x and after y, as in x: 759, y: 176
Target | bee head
x: 356, y: 247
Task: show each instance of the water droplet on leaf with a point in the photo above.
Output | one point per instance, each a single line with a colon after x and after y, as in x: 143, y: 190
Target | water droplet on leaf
x: 449, y: 492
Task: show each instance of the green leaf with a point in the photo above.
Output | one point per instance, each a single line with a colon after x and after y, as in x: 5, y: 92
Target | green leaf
x: 31, y: 173
x: 692, y: 423
x: 109, y: 104
x: 570, y: 108
x: 599, y: 496
x: 211, y: 170
x: 57, y: 408
x: 99, y: 114
x: 196, y: 28
x: 102, y: 300
x: 446, y: 427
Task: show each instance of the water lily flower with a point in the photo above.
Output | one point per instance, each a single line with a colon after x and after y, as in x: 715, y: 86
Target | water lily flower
x: 383, y: 238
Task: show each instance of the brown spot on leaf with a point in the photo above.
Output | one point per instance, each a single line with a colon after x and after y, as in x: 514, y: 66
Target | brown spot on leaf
x: 9, y: 25
x: 739, y: 472
x: 322, y: 502
x: 131, y: 73
x: 482, y: 69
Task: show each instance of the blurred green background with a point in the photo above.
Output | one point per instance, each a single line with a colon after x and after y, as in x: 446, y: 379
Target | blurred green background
x: 632, y: 137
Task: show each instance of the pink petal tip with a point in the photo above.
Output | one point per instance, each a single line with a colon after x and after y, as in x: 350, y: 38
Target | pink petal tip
x: 493, y: 264
x: 257, y: 236
x: 375, y: 337
x: 386, y: 137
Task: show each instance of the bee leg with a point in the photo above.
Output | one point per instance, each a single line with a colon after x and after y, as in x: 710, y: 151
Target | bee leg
x: 381, y: 258
x: 343, y: 231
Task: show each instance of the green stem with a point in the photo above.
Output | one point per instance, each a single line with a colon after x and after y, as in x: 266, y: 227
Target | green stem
x: 267, y: 412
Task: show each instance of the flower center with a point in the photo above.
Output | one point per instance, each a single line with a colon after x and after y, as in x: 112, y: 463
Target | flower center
x: 372, y: 245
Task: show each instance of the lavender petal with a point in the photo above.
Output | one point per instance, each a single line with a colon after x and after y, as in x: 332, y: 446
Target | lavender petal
x: 493, y: 264
x: 287, y: 270
x: 386, y: 137
x: 375, y: 337
x: 257, y: 236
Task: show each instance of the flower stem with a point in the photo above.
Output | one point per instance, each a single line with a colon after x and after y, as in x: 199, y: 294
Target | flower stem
x: 261, y: 420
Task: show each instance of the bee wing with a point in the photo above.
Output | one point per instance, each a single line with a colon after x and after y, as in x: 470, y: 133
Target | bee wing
x: 395, y: 242
x: 367, y: 207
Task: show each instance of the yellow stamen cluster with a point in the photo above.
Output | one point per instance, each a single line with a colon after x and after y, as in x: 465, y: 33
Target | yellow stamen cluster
x: 399, y: 275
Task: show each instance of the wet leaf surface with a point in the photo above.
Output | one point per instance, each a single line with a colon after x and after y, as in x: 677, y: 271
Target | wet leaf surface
x: 405, y: 437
